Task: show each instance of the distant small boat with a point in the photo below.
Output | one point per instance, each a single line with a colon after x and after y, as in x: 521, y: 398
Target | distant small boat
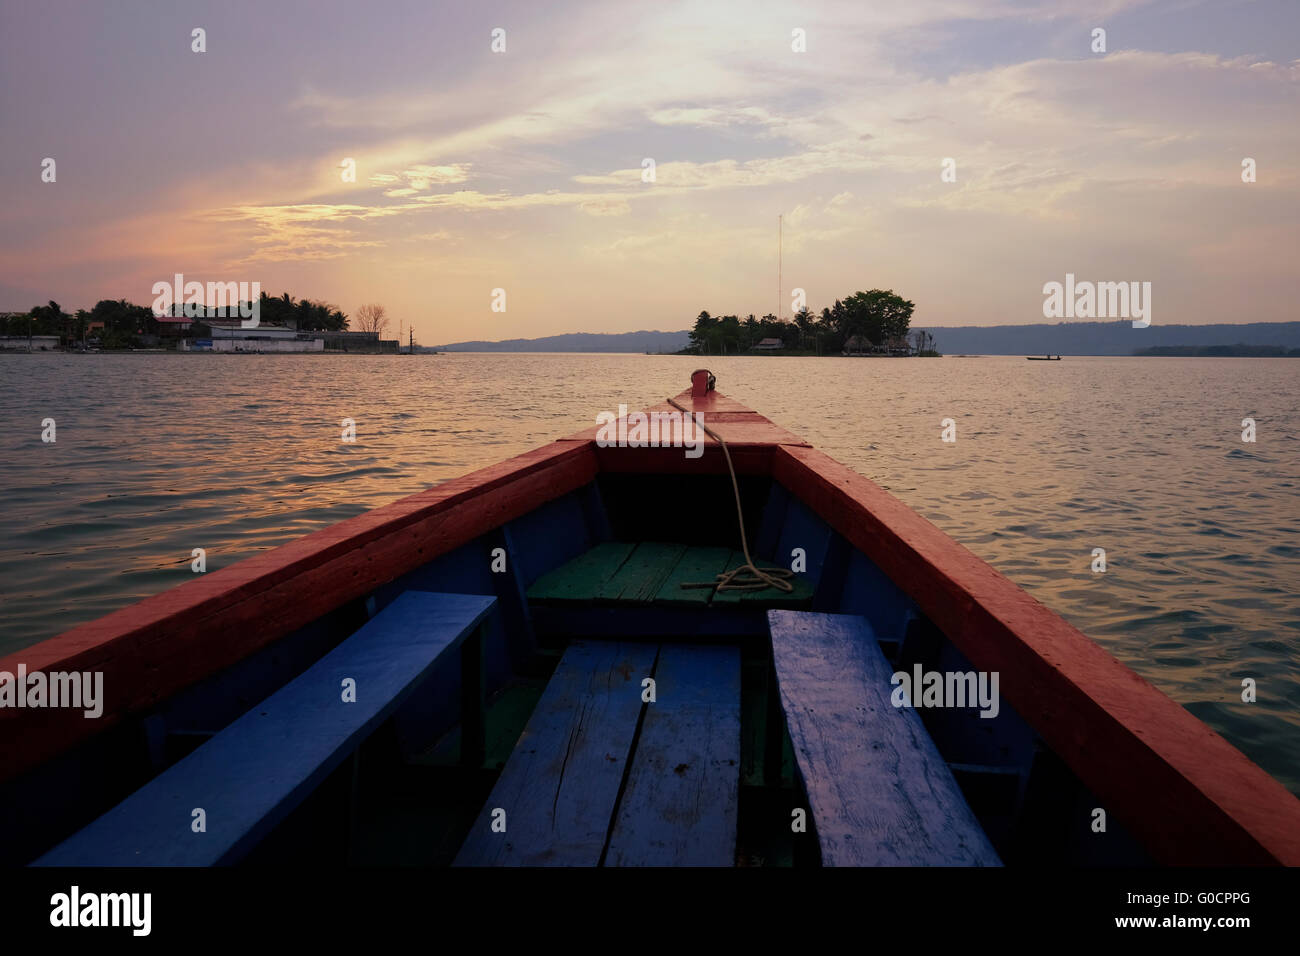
x: 1043, y: 358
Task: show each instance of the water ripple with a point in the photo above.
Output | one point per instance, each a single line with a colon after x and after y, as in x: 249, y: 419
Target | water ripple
x: 1141, y: 457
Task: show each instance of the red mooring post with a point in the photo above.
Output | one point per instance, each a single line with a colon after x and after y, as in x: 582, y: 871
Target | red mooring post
x: 701, y: 382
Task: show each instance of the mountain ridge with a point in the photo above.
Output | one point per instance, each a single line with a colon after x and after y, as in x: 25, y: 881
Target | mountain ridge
x: 1065, y: 338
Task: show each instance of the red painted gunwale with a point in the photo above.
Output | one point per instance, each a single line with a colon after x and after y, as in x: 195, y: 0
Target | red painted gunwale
x: 151, y: 649
x: 1183, y: 790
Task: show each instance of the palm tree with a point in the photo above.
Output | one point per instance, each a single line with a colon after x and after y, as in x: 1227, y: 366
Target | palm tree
x: 803, y: 321
x: 706, y: 327
x: 729, y: 331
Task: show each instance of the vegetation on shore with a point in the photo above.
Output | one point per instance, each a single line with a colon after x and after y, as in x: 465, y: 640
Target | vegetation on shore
x: 877, y: 322
x: 119, y: 324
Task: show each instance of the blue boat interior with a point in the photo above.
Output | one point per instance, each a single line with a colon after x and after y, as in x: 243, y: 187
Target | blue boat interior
x: 587, y: 710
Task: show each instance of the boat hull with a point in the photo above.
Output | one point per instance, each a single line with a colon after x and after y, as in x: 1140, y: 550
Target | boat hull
x: 1077, y: 730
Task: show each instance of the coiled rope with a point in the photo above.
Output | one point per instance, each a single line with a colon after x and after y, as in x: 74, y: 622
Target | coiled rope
x: 748, y: 576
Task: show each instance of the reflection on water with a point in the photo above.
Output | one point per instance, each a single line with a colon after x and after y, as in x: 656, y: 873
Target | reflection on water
x: 159, y: 454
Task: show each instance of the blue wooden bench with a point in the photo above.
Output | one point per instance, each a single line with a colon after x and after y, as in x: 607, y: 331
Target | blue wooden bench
x: 252, y: 774
x: 879, y: 792
x: 585, y: 787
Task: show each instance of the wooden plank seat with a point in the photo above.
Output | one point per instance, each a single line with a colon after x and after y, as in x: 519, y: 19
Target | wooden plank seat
x: 651, y: 573
x: 879, y: 792
x: 251, y: 774
x: 585, y: 787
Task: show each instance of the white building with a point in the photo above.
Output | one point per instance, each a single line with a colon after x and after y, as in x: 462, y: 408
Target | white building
x: 229, y: 335
x: 18, y: 343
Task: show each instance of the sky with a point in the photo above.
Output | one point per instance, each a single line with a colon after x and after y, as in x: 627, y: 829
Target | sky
x: 523, y: 170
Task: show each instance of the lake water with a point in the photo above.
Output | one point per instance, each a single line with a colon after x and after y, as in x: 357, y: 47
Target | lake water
x: 159, y: 454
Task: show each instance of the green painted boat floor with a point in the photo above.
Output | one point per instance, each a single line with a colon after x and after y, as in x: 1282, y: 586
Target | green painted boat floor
x: 651, y: 573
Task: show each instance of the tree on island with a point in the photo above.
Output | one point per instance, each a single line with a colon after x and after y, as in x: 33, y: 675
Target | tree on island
x: 124, y: 322
x: 722, y: 335
x: 372, y: 318
x: 705, y: 334
x: 878, y: 316
x: 804, y: 322
x: 305, y: 314
x: 49, y: 320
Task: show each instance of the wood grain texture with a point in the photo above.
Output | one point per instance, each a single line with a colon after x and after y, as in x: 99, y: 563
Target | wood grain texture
x: 751, y: 438
x: 1182, y: 789
x: 641, y: 576
x: 1186, y: 793
x: 251, y: 775
x: 697, y: 565
x: 560, y: 785
x: 680, y: 805
x: 800, y: 597
x: 653, y: 572
x: 582, y: 578
x: 880, y: 793
x: 163, y: 644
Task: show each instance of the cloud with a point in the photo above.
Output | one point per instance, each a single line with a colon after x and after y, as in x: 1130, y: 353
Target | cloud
x: 301, y: 232
x: 713, y: 116
x: 530, y: 160
x: 421, y: 177
x: 605, y: 207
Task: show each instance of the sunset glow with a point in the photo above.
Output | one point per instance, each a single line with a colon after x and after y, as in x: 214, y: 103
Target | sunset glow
x: 523, y: 169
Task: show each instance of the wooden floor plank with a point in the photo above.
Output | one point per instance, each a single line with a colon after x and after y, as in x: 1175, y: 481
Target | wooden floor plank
x: 800, y: 597
x: 880, y: 792
x: 653, y: 572
x: 583, y: 577
x: 641, y: 576
x: 560, y: 785
x: 698, y: 564
x: 680, y: 804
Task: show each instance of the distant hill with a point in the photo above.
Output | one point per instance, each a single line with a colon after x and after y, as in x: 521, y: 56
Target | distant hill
x: 644, y: 341
x: 1065, y: 338
x: 1105, y: 338
x: 1220, y: 351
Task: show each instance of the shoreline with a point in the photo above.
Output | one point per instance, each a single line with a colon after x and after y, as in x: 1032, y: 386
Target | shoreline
x: 1293, y: 354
